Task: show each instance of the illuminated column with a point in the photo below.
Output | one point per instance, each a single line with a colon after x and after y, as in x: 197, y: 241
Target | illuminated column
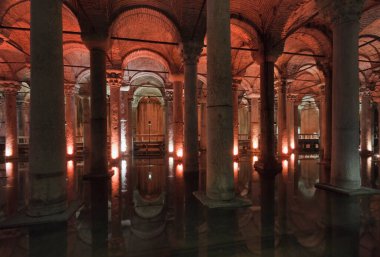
x: 282, y: 141
x: 123, y: 120
x: 130, y: 125
x: 255, y: 124
x: 23, y: 118
x: 85, y: 97
x: 190, y: 54
x: 47, y: 155
x: 345, y: 166
x: 366, y: 123
x: 70, y: 118
x: 177, y: 80
x: 220, y: 175
x: 10, y: 89
x: 114, y: 82
x: 169, y: 137
x: 290, y: 122
x: 235, y: 107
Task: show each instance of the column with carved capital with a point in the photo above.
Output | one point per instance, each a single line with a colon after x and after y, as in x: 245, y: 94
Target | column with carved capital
x: 220, y: 176
x: 10, y: 89
x: 345, y: 165
x: 169, y: 135
x: 255, y: 124
x: 70, y: 118
x: 190, y: 53
x: 47, y: 155
x: 366, y: 137
x: 282, y: 139
x: 235, y: 107
x: 114, y: 82
x: 177, y: 80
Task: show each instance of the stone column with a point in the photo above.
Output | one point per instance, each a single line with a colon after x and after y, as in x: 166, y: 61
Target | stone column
x: 296, y: 122
x: 177, y: 80
x: 23, y: 118
x: 114, y: 82
x: 282, y: 141
x: 220, y: 176
x: 123, y: 121
x: 203, y: 102
x: 10, y: 89
x: 290, y: 122
x: 85, y: 96
x: 169, y: 137
x: 366, y: 123
x: 190, y: 53
x: 345, y: 166
x: 255, y: 124
x: 235, y: 108
x: 130, y: 125
x: 70, y: 116
x: 47, y: 176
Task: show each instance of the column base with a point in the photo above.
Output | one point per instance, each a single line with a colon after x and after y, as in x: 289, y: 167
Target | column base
x: 23, y: 220
x: 347, y: 192
x: 11, y: 158
x: 94, y: 177
x: 236, y: 202
x: 366, y: 153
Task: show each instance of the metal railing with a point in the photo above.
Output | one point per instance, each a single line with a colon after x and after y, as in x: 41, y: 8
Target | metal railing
x: 308, y: 136
x: 151, y: 138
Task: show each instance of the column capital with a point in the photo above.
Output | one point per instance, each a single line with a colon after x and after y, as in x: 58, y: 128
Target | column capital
x: 342, y: 11
x: 70, y: 89
x: 190, y: 52
x: 169, y: 95
x: 176, y: 77
x: 114, y: 78
x: 10, y: 87
x: 96, y: 41
x: 364, y: 91
x: 292, y: 97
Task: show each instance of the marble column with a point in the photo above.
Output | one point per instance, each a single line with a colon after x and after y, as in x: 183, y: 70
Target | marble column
x: 235, y: 108
x: 366, y: 123
x: 47, y: 176
x: 282, y: 139
x: 10, y: 89
x: 177, y: 80
x: 114, y: 82
x: 345, y: 166
x: 290, y: 122
x: 169, y: 136
x: 255, y: 124
x: 220, y: 176
x: 70, y: 117
x: 203, y: 114
x: 190, y: 54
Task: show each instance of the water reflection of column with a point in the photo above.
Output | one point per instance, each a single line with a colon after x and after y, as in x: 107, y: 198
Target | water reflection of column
x: 48, y: 240
x: 345, y: 226
x: 12, y: 187
x: 366, y: 169
x: 70, y: 175
x: 117, y: 240
x: 179, y: 202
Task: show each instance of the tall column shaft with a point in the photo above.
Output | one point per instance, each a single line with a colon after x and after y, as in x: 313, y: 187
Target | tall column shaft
x: 130, y: 126
x: 328, y: 121
x: 169, y: 136
x: 86, y: 124
x: 98, y: 152
x: 220, y: 176
x: 290, y: 122
x: 255, y: 124
x: 114, y: 82
x: 366, y: 124
x: 345, y: 166
x: 178, y: 117
x: 70, y: 119
x: 282, y: 141
x: 235, y: 109
x: 11, y: 139
x: 203, y: 140
x: 47, y: 176
x: 190, y: 54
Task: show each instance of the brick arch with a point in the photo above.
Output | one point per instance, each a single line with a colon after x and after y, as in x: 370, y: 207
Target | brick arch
x: 146, y: 53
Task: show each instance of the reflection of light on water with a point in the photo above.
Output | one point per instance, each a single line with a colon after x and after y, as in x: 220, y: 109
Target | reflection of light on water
x: 255, y: 143
x: 123, y: 175
x: 115, y: 177
x: 8, y: 151
x: 179, y: 170
x: 236, y: 150
x: 9, y: 169
x: 115, y: 152
x: 70, y: 149
x: 123, y: 136
x: 180, y: 153
x: 285, y: 150
x: 236, y: 167
x: 171, y: 166
x: 292, y: 157
x: 255, y: 159
x: 150, y: 175
x: 171, y: 147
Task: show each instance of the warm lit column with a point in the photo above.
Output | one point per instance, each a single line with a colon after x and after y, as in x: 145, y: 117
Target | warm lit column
x: 235, y: 107
x: 203, y: 114
x: 366, y: 123
x: 10, y: 89
x: 130, y: 125
x: 255, y: 124
x: 86, y: 112
x: 123, y: 120
x: 114, y: 82
x: 322, y: 117
x: 47, y: 157
x: 290, y: 122
x: 23, y: 118
x: 345, y: 166
x: 190, y: 54
x: 70, y: 118
x: 169, y: 140
x: 282, y: 140
x: 220, y: 175
x: 296, y: 122
x: 177, y: 80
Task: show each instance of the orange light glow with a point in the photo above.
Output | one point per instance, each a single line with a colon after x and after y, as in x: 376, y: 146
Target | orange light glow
x: 292, y: 157
x: 171, y: 148
x: 285, y: 150
x: 70, y: 166
x: 255, y: 159
x: 179, y: 170
x: 115, y: 177
x: 9, y: 169
x: 236, y: 150
x: 292, y: 146
x: 236, y: 167
x: 255, y: 144
x: 8, y: 151
x: 180, y: 153
x: 285, y: 165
